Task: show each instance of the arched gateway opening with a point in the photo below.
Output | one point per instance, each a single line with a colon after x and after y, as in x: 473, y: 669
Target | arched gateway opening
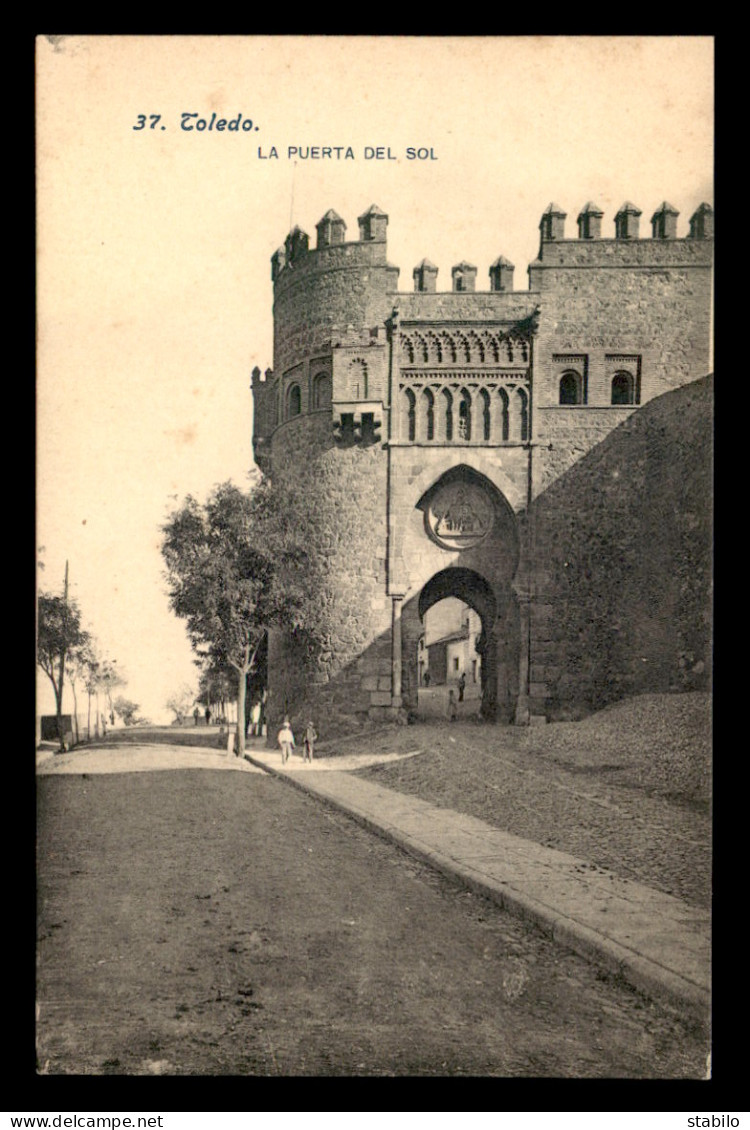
x: 454, y: 655
x: 477, y: 634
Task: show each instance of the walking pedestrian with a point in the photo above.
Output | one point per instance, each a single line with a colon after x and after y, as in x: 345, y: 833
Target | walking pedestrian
x: 461, y: 686
x: 285, y: 738
x: 255, y: 720
x: 309, y: 744
x: 196, y: 715
x: 208, y: 715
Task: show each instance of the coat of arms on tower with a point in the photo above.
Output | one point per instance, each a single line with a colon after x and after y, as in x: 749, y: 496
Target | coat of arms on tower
x: 459, y: 516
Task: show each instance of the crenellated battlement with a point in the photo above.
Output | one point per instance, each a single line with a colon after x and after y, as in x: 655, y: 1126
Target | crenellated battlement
x: 295, y: 260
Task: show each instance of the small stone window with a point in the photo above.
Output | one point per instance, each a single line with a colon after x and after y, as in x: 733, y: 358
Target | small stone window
x: 571, y: 388
x: 624, y: 389
x: 294, y: 401
x: 321, y: 391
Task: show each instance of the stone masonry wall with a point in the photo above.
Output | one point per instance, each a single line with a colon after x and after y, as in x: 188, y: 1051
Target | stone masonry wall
x: 650, y: 299
x: 322, y: 294
x: 345, y: 670
x: 622, y: 550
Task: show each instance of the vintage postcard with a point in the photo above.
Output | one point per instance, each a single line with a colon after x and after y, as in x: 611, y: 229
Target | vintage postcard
x: 375, y: 406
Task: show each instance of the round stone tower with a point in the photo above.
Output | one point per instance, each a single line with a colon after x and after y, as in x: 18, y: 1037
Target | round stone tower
x: 319, y: 425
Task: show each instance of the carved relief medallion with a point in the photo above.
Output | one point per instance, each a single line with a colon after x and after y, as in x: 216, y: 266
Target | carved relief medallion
x: 460, y: 516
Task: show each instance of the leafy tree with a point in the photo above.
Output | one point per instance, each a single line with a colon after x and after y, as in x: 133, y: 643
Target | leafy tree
x: 79, y: 659
x: 180, y: 702
x: 127, y: 710
x: 109, y: 680
x: 218, y: 580
x: 217, y: 685
x: 58, y: 633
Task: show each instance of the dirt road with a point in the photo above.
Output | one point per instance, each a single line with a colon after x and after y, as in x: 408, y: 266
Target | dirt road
x: 198, y: 922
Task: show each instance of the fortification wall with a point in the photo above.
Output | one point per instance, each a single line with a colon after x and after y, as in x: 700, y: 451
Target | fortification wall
x: 609, y: 305
x: 476, y: 306
x: 621, y: 547
x: 343, y: 670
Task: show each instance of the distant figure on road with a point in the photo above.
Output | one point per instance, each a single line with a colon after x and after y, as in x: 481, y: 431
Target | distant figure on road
x: 285, y: 738
x: 452, y: 706
x: 208, y: 715
x: 255, y: 720
x: 196, y: 715
x: 309, y: 745
x: 426, y: 679
x: 461, y: 686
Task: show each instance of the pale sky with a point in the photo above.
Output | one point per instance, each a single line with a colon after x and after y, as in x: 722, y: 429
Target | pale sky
x: 154, y: 244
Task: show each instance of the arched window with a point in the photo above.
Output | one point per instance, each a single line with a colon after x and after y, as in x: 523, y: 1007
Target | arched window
x: 411, y: 414
x: 523, y: 412
x: 623, y: 388
x: 504, y: 415
x: 448, y: 409
x: 464, y: 417
x: 571, y: 388
x: 321, y: 391
x: 427, y: 415
x: 358, y: 379
x: 294, y: 401
x: 486, y: 418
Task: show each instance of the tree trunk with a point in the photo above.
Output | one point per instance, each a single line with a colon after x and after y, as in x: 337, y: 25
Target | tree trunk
x: 241, y: 711
x: 75, y: 712
x: 58, y: 711
x: 58, y: 702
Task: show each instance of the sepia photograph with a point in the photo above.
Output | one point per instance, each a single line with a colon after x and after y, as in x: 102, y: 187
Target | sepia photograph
x: 374, y: 556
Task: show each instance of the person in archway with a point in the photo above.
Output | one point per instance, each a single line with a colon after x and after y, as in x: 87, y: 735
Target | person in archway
x: 461, y: 686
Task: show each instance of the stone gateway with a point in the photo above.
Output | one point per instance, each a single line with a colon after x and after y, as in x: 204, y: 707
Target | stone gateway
x: 543, y: 455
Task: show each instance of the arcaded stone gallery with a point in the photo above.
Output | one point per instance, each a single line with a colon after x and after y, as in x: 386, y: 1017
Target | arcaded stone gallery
x: 542, y: 455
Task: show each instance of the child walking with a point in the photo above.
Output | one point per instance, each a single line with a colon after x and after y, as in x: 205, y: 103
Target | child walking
x: 285, y: 738
x: 309, y: 745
